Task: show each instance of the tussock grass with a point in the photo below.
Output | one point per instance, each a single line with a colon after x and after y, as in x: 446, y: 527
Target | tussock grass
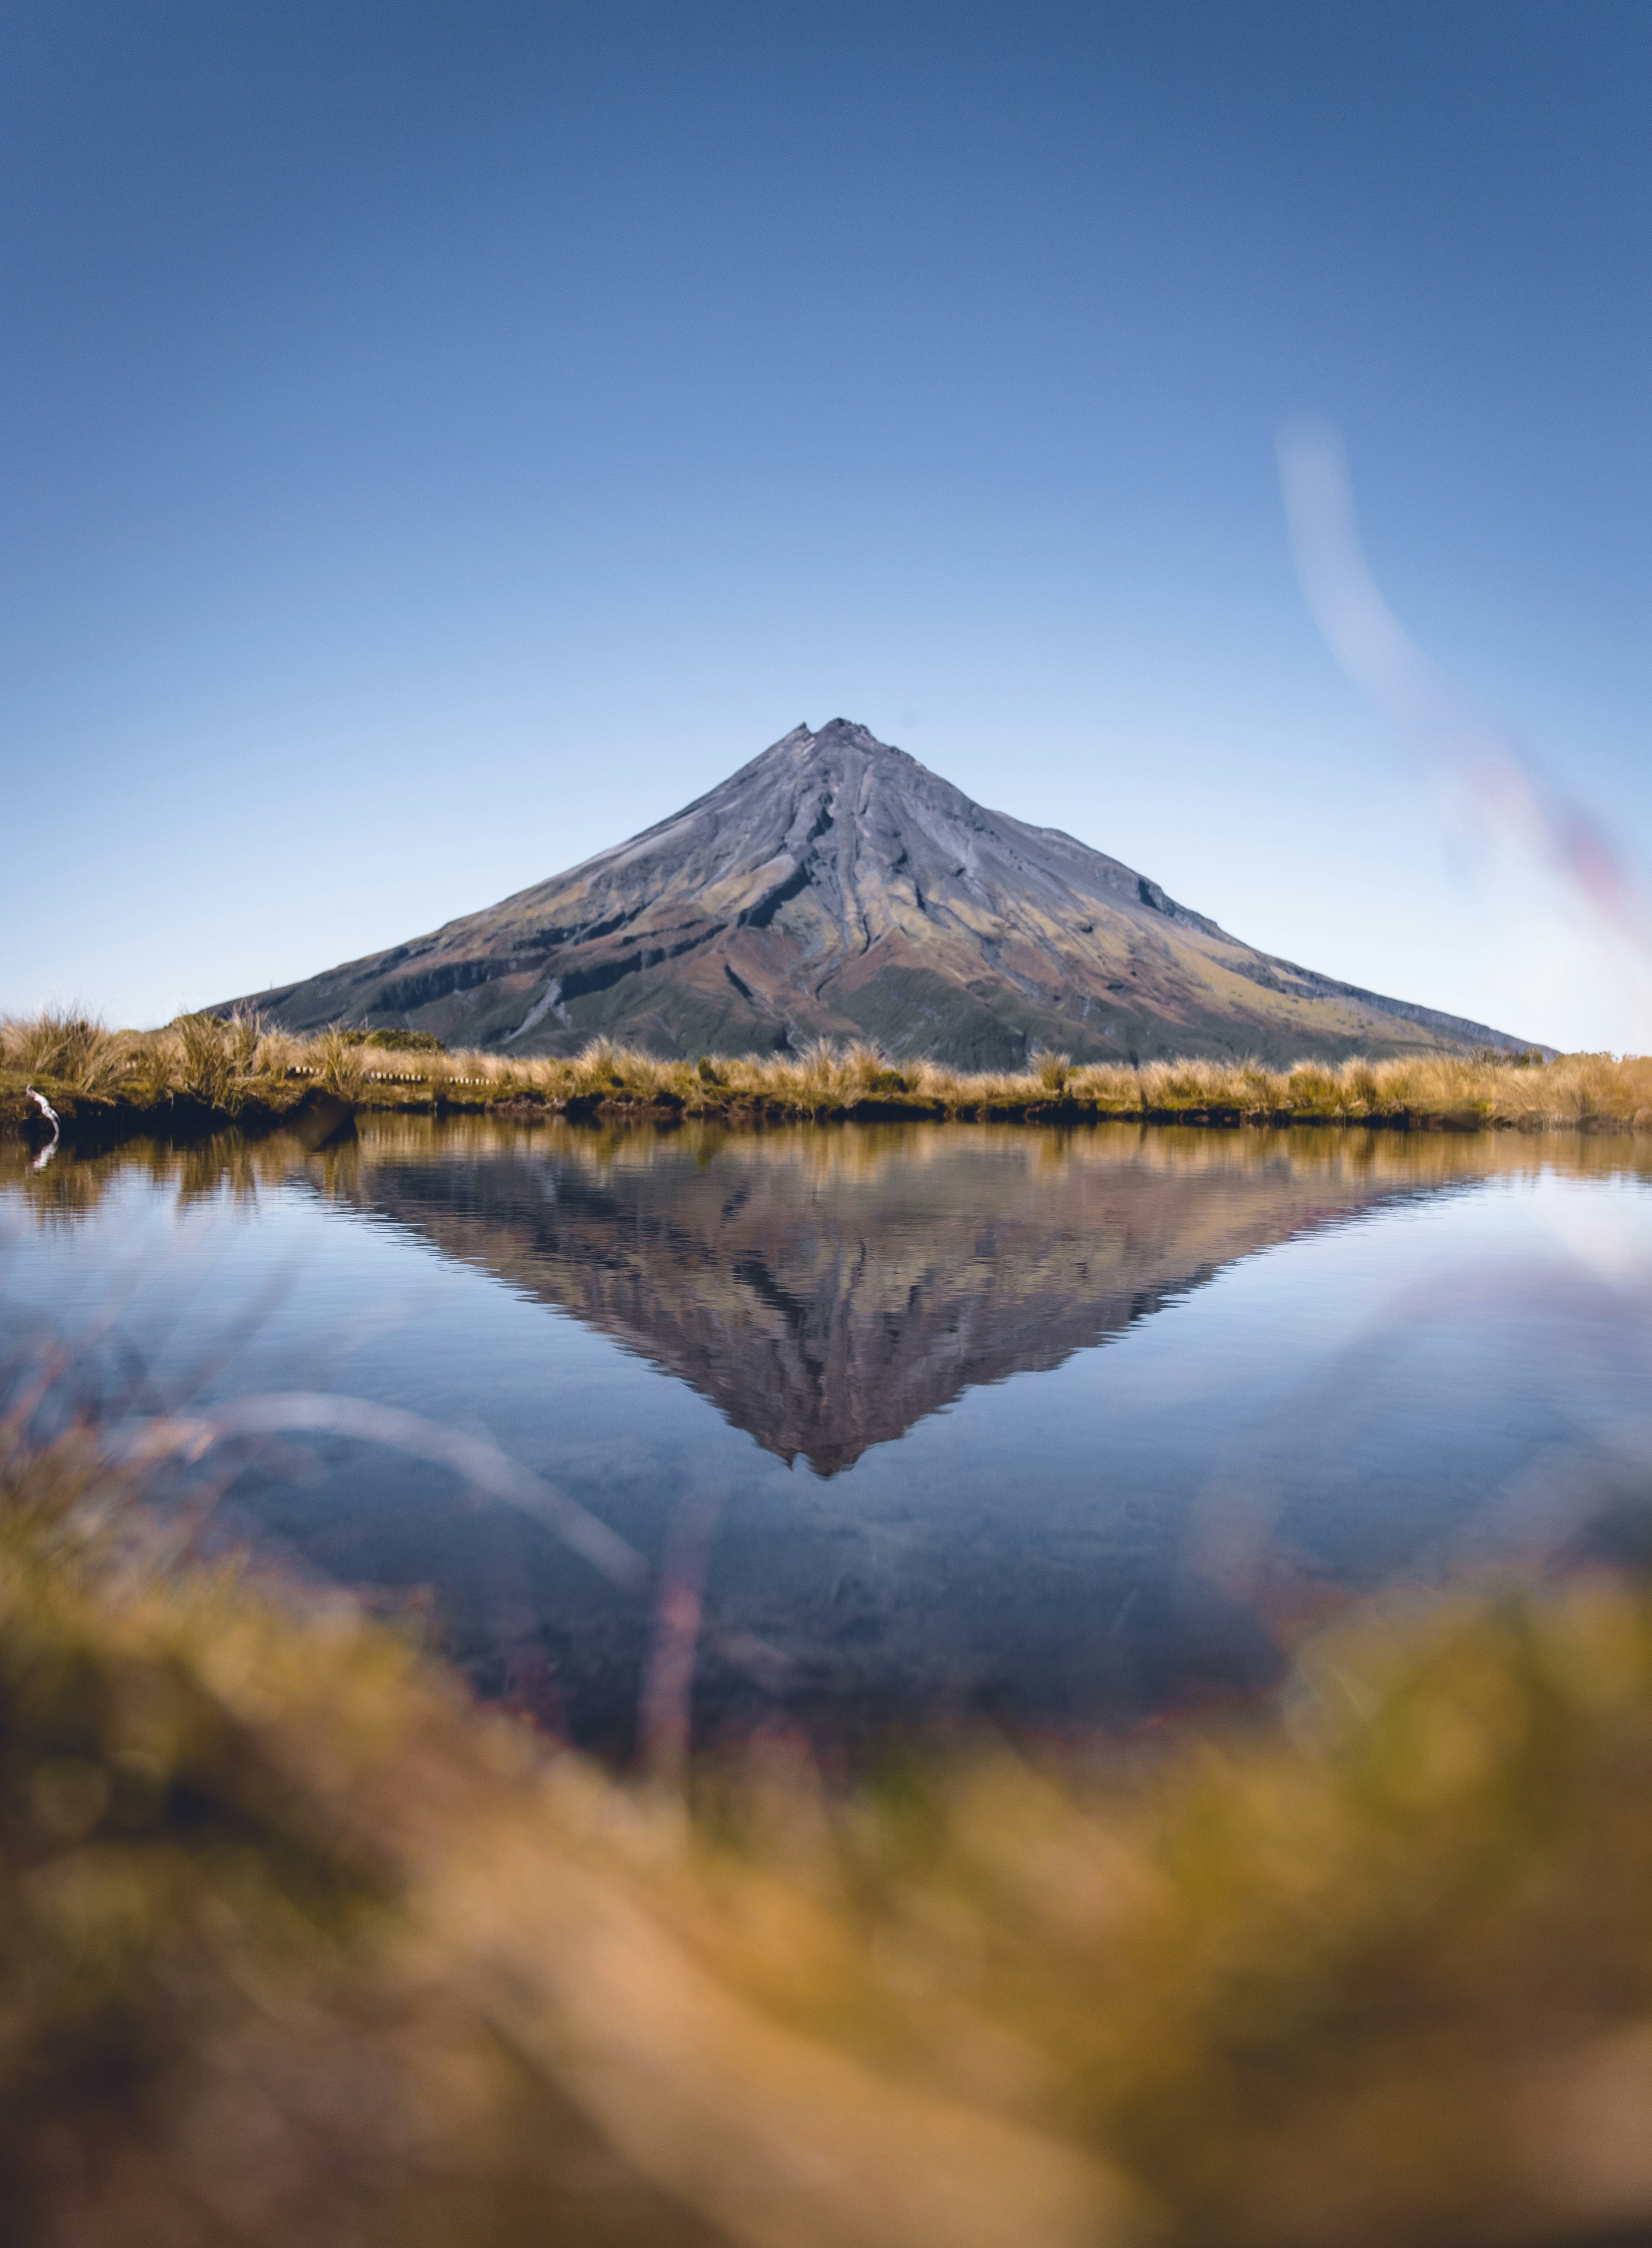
x: 209, y: 1058
x: 70, y: 1048
x: 235, y: 1063
x: 297, y: 1944
x: 827, y: 1080
x: 207, y: 1052
x: 338, y: 1063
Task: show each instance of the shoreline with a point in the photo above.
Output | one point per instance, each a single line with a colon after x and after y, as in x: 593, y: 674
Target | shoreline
x: 94, y: 1122
x: 204, y: 1073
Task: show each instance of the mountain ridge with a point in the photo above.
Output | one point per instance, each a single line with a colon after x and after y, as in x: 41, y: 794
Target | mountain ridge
x: 835, y: 886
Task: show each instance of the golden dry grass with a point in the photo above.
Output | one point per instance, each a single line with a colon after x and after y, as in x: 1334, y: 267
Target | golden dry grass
x: 232, y: 1064
x: 1591, y: 1090
x: 65, y: 1045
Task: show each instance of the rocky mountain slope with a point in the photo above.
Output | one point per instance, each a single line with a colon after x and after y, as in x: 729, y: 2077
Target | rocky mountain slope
x: 836, y: 888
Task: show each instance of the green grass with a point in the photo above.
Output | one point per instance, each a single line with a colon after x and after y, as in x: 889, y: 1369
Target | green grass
x: 295, y: 1943
x: 240, y: 1067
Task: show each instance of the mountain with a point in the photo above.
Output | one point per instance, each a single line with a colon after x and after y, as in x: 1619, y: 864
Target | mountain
x: 836, y: 888
x: 828, y: 1305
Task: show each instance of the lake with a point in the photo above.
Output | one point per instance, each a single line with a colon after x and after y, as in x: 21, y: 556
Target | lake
x: 863, y: 1428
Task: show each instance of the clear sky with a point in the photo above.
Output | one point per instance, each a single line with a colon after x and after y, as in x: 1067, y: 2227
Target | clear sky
x: 441, y: 439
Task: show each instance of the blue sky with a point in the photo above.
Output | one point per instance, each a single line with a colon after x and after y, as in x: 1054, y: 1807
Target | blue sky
x: 439, y: 440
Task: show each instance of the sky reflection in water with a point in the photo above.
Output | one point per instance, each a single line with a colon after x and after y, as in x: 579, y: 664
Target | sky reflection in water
x: 920, y: 1425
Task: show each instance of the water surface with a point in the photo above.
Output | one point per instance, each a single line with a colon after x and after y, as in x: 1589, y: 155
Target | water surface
x: 912, y: 1424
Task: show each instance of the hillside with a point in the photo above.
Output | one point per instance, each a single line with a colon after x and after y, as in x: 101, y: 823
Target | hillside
x: 836, y: 888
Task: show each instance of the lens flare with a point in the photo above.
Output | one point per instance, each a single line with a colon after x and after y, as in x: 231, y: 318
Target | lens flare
x: 1504, y: 789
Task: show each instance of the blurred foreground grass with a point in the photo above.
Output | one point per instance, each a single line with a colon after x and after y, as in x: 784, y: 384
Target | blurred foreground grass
x: 297, y: 1945
x: 242, y: 1067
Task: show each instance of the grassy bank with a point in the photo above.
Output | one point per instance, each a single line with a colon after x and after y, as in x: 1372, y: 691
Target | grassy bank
x: 297, y: 1944
x: 102, y: 1080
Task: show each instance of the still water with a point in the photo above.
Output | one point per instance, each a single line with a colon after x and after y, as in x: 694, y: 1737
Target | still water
x: 858, y: 1427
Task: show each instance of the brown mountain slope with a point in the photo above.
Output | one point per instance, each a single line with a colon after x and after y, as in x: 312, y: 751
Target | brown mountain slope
x: 835, y: 888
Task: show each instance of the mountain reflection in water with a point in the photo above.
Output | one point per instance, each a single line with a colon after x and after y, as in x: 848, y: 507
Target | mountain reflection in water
x: 826, y: 1289
x: 1442, y: 1355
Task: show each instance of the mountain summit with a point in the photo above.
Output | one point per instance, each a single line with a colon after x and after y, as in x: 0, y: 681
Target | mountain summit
x: 836, y: 888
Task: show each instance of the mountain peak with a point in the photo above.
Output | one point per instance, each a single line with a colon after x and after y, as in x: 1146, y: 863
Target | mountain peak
x: 833, y: 886
x: 855, y: 735
x: 836, y: 736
